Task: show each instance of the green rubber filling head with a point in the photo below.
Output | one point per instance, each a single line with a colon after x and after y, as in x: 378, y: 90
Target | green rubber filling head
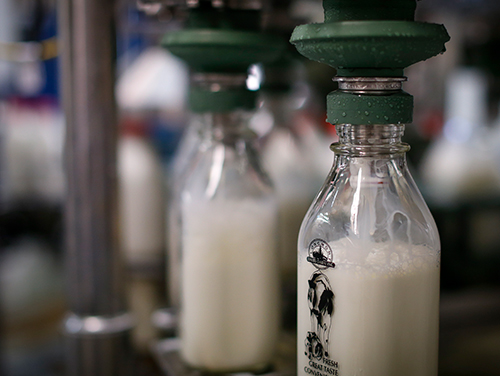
x: 366, y: 38
x: 222, y: 41
x: 201, y: 100
x: 222, y: 51
x: 356, y: 109
x: 370, y: 48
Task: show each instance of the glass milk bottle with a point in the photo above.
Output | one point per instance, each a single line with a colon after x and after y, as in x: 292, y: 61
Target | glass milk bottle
x: 185, y: 154
x: 369, y: 262
x: 229, y: 269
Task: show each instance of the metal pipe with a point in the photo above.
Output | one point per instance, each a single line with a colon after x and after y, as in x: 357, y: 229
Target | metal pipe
x: 97, y: 325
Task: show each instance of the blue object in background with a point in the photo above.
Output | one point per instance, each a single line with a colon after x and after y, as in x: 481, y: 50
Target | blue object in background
x: 51, y: 67
x: 165, y: 138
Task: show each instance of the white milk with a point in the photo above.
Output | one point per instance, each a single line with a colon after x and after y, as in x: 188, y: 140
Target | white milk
x: 142, y: 201
x: 291, y: 213
x: 230, y: 285
x: 385, y: 314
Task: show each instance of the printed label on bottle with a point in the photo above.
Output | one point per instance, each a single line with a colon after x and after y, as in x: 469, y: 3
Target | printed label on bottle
x: 320, y: 299
x: 320, y: 254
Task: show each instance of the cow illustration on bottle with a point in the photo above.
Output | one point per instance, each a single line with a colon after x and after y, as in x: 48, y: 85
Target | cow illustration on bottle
x: 320, y: 299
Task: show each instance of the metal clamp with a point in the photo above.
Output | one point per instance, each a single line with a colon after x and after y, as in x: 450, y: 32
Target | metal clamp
x: 98, y: 325
x: 165, y: 319
x: 370, y: 85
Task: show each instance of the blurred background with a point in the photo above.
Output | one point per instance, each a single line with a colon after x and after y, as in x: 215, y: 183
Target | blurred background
x: 455, y: 159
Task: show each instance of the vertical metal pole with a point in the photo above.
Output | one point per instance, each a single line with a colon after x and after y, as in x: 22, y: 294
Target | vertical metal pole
x: 97, y: 325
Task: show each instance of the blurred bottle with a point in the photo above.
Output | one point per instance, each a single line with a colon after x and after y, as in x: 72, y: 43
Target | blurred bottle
x: 33, y: 306
x: 183, y: 159
x: 32, y: 155
x: 141, y: 89
x: 459, y: 164
x: 229, y: 269
x: 142, y: 224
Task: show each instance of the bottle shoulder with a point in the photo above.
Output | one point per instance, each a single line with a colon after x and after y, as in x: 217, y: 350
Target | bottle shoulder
x: 227, y: 171
x: 373, y: 202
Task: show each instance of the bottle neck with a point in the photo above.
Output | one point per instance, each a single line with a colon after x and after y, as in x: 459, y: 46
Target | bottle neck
x: 370, y: 140
x: 227, y: 127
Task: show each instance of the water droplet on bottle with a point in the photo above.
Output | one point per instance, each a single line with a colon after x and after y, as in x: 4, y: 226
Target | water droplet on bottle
x: 344, y: 114
x: 367, y: 113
